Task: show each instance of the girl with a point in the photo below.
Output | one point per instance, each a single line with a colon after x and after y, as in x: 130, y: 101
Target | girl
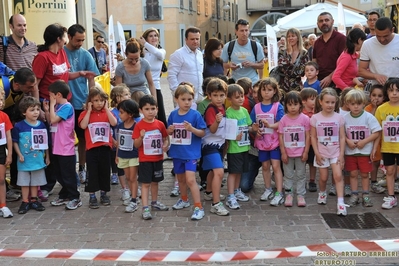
x: 328, y: 141
x: 96, y: 121
x: 186, y: 127
x: 266, y: 116
x: 294, y: 136
x: 127, y: 156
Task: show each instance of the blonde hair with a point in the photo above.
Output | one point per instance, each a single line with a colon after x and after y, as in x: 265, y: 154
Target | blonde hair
x: 183, y: 88
x: 137, y: 95
x: 356, y: 96
x: 117, y: 93
x: 324, y: 92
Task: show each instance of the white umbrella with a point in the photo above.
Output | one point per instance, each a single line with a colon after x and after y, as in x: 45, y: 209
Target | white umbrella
x: 306, y: 18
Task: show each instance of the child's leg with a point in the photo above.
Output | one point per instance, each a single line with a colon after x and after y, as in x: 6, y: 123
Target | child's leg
x: 323, y: 176
x: 192, y: 184
x: 266, y: 174
x: 154, y: 191
x: 374, y: 172
x: 232, y: 183
x: 339, y: 182
x: 145, y: 190
x: 365, y: 182
x: 278, y: 174
x: 300, y: 169
x: 390, y: 177
x: 131, y: 175
x: 181, y: 179
x: 33, y: 191
x: 2, y: 185
x: 216, y: 183
x: 209, y: 179
x: 353, y: 180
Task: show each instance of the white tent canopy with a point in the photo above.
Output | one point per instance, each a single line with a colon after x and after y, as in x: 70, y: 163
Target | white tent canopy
x: 306, y: 18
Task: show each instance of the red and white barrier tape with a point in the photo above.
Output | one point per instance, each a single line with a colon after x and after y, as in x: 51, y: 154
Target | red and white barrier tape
x: 378, y: 247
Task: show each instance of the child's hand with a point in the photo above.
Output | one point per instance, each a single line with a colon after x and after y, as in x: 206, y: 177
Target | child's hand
x: 341, y: 162
x: 239, y: 136
x: 170, y: 129
x: 116, y: 160
x: 21, y: 158
x: 360, y: 144
x: 106, y: 104
x: 47, y: 160
x: 265, y: 123
x: 114, y: 143
x: 284, y: 158
x: 255, y: 127
x: 351, y: 144
x: 142, y: 133
x: 219, y: 117
x: 304, y: 157
x: 165, y: 146
x: 46, y: 106
x: 187, y: 126
x: 89, y: 106
x: 319, y: 160
x: 8, y: 159
x: 52, y: 99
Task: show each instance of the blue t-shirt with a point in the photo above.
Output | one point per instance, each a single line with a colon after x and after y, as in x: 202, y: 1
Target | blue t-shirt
x: 80, y: 60
x: 316, y: 85
x: 187, y: 152
x: 21, y: 134
x: 266, y: 108
x: 126, y: 154
x: 100, y: 58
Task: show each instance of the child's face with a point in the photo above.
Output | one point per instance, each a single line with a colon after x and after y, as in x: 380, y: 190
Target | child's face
x: 293, y: 108
x: 237, y: 99
x: 355, y: 108
x: 1, y: 103
x: 393, y: 94
x: 328, y: 103
x: 98, y: 102
x: 32, y: 113
x: 217, y: 98
x: 267, y: 92
x: 123, y: 115
x: 125, y: 95
x: 377, y: 97
x: 149, y: 111
x: 184, y: 101
x: 255, y: 93
x: 309, y: 103
x: 311, y: 72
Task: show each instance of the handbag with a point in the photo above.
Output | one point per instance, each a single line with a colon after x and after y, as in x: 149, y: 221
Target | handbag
x: 275, y: 73
x: 164, y: 67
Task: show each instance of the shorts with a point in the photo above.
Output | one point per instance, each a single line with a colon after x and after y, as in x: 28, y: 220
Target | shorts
x: 361, y: 163
x: 237, y: 163
x: 180, y: 166
x: 212, y: 161
x: 127, y: 162
x: 390, y: 159
x: 310, y: 156
x: 326, y: 163
x: 267, y: 155
x: 3, y: 154
x: 150, y: 172
x: 80, y: 133
x: 31, y: 178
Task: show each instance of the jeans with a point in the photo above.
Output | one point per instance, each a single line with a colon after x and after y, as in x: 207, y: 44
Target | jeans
x: 248, y: 178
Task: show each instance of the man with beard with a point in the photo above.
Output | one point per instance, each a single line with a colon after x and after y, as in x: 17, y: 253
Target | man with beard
x: 327, y: 48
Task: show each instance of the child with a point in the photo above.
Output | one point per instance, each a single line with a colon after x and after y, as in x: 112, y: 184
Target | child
x: 152, y: 140
x: 311, y: 72
x: 127, y: 155
x: 6, y: 157
x: 328, y: 140
x: 266, y: 116
x: 186, y: 127
x: 31, y: 145
x: 362, y: 129
x: 376, y: 99
x: 96, y: 121
x: 246, y: 84
x: 386, y: 115
x: 60, y: 113
x: 237, y: 151
x: 294, y: 136
x: 213, y: 143
x: 308, y: 96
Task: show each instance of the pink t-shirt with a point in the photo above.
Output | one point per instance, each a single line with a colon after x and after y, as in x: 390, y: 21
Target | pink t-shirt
x: 327, y: 133
x: 63, y: 134
x: 293, y: 131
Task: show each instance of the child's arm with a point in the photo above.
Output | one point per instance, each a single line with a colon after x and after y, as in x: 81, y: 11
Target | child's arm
x: 166, y: 144
x: 46, y: 109
x: 86, y: 119
x: 18, y: 152
x: 54, y: 118
x: 313, y: 137
x: 307, y: 146
x: 111, y: 117
x: 198, y: 132
x: 47, y: 157
x: 351, y: 144
x: 139, y: 141
x: 284, y: 157
x: 342, y: 142
x: 214, y: 127
x: 375, y: 146
x: 9, y: 148
x: 373, y: 136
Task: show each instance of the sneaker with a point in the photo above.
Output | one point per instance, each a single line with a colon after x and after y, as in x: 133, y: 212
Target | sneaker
x: 104, y: 200
x: 382, y: 182
x: 301, y: 201
x: 240, y: 196
x: 73, y: 204
x: 125, y: 194
x: 46, y: 193
x: 219, y: 209
x: 198, y: 214
x: 126, y: 202
x: 267, y: 195
x: 132, y: 207
x: 396, y: 188
x: 377, y: 188
x: 367, y: 201
x: 93, y: 203
x: 59, y: 202
x: 180, y: 204
x: 159, y: 206
x: 146, y: 214
x: 114, y: 179
x: 203, y: 185
x: 139, y: 192
x: 347, y: 191
x: 332, y: 191
x: 210, y: 196
x: 41, y: 197
x: 24, y: 208
x: 288, y: 200
x: 5, y: 212
x: 278, y: 199
x: 11, y: 195
x: 341, y: 209
x: 82, y: 176
x: 312, y: 187
x: 322, y: 199
x: 232, y: 203
x: 37, y: 205
x: 175, y: 192
x: 389, y: 202
x: 353, y: 200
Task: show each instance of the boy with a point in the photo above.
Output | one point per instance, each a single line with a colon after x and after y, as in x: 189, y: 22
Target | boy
x: 59, y: 112
x: 151, y: 139
x: 237, y: 151
x: 31, y: 145
x: 246, y: 84
x: 311, y: 72
x: 308, y: 96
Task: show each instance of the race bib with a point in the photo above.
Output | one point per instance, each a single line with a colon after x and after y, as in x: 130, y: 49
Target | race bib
x: 294, y: 137
x: 245, y: 136
x: 357, y: 132
x: 391, y: 131
x: 269, y: 118
x: 99, y: 132
x: 125, y: 140
x: 3, y: 137
x: 327, y: 131
x: 180, y: 135
x: 39, y: 139
x: 152, y: 143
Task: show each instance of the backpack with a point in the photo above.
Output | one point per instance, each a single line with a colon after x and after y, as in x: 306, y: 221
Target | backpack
x: 253, y: 46
x: 5, y: 45
x: 6, y: 74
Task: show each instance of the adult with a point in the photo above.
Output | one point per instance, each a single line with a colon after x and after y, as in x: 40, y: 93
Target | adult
x: 242, y: 61
x: 80, y: 60
x: 311, y: 38
x: 18, y: 52
x: 135, y: 70
x: 346, y: 71
x: 281, y: 43
x: 213, y: 64
x: 118, y: 47
x: 155, y: 55
x: 378, y: 56
x: 186, y: 64
x: 327, y: 48
x: 372, y: 18
x: 99, y: 54
x: 291, y: 62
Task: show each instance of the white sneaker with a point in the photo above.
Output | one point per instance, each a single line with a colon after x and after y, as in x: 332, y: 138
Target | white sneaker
x: 11, y: 195
x: 232, y: 203
x: 125, y: 194
x: 82, y: 176
x: 132, y: 207
x: 332, y: 191
x: 240, y: 196
x: 347, y: 191
x: 219, y: 209
x: 198, y: 214
x: 139, y: 192
x: 267, y: 195
x: 5, y: 212
x: 389, y: 202
x: 180, y: 204
x: 341, y: 209
x: 126, y: 202
x: 322, y: 199
x: 396, y: 188
x: 175, y: 192
x: 210, y: 196
x: 278, y: 199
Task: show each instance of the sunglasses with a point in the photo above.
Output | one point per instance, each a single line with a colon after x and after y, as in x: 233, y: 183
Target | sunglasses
x: 242, y: 22
x: 100, y: 42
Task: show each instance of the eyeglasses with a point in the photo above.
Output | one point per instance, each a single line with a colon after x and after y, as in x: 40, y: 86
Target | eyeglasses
x: 100, y: 42
x: 242, y: 22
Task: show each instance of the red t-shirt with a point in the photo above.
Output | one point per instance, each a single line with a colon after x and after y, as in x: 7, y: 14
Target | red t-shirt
x: 4, y: 119
x: 50, y: 67
x: 156, y: 127
x: 96, y: 117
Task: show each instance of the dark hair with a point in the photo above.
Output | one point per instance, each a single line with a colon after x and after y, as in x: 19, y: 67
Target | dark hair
x: 130, y: 107
x: 24, y: 75
x: 312, y: 63
x: 272, y: 83
x: 72, y: 30
x: 376, y: 86
x: 245, y: 83
x: 99, y: 36
x: 383, y: 24
x: 353, y: 38
x: 192, y: 30
x: 133, y: 46
x: 374, y: 13
x: 51, y: 35
x: 307, y: 93
x: 211, y: 45
x: 95, y: 91
x: 293, y: 97
x: 324, y: 14
x: 28, y: 101
x: 233, y: 88
x: 117, y: 43
x: 389, y: 84
x: 59, y: 86
x: 147, y: 99
x: 241, y: 22
x: 215, y: 85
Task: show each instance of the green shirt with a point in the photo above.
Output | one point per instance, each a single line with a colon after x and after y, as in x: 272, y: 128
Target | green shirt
x: 243, y: 119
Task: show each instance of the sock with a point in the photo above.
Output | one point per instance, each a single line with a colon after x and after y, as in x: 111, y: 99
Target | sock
x: 365, y: 193
x: 103, y: 193
x: 92, y: 195
x: 153, y: 202
x: 311, y: 181
x: 208, y: 192
x: 184, y: 198
x: 198, y: 204
x: 374, y: 182
x: 231, y: 196
x: 355, y: 192
x: 81, y: 167
x: 33, y: 199
x: 340, y: 200
x: 236, y: 190
x: 288, y: 191
x: 145, y: 207
x: 392, y: 196
x: 322, y: 192
x: 176, y: 184
x: 133, y: 200
x: 3, y: 205
x: 213, y: 204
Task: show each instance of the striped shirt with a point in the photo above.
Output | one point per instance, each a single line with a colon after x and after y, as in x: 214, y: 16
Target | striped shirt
x: 18, y: 57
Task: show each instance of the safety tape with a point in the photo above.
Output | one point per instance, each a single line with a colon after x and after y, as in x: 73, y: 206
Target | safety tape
x: 389, y: 248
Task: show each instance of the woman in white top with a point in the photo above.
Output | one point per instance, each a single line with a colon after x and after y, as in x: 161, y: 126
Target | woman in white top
x: 155, y: 55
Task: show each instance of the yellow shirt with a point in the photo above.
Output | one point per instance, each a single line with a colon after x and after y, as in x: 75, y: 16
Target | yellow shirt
x: 390, y: 132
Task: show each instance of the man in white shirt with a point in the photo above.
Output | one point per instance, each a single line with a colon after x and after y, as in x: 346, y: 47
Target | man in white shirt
x: 186, y: 64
